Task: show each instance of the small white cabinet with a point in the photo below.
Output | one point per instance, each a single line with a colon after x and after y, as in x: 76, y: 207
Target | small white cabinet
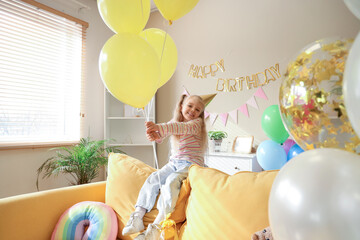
x: 127, y: 130
x: 232, y: 163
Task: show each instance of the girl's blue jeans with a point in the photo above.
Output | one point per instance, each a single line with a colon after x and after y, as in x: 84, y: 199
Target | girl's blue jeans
x: 168, y: 179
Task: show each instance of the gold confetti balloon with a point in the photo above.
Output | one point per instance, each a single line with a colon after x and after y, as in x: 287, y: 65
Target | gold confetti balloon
x: 311, y: 99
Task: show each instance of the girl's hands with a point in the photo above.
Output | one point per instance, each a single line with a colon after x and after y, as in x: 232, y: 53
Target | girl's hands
x: 153, y: 136
x: 152, y: 131
x: 151, y: 127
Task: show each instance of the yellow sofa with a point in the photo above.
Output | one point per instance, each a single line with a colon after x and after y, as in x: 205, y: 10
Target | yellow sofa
x: 211, y: 205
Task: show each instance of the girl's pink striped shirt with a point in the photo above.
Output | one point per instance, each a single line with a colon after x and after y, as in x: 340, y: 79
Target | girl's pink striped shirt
x: 189, y: 142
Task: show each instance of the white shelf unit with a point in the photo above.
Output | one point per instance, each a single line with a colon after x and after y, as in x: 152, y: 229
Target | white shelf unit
x: 128, y: 132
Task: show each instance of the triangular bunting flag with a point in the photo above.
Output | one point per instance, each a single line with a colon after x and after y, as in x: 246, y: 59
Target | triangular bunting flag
x: 234, y: 115
x: 244, y: 110
x: 213, y: 117
x: 252, y: 102
x: 185, y: 92
x: 224, y: 117
x: 260, y: 93
x: 206, y: 114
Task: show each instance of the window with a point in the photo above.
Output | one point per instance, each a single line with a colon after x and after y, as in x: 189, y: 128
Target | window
x: 41, y: 60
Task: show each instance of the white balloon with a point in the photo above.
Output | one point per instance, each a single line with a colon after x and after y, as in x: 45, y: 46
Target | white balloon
x: 316, y: 195
x: 351, y: 85
x: 354, y: 7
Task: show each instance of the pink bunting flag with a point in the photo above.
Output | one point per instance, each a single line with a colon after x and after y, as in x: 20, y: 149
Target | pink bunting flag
x: 252, y: 102
x: 213, y: 117
x: 244, y: 110
x: 234, y: 115
x: 224, y: 117
x: 260, y: 93
x: 185, y: 92
x: 206, y: 114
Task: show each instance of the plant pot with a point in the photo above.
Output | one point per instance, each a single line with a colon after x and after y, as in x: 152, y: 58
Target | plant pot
x: 216, y: 145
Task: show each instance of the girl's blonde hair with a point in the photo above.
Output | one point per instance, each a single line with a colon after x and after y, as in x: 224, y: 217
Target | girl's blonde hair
x: 178, y: 117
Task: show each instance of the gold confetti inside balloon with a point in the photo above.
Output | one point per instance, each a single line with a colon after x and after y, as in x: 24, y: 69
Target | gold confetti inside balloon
x: 311, y: 100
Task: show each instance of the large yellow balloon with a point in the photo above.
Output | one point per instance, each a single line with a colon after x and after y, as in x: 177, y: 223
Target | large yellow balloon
x: 175, y: 9
x: 165, y: 49
x: 125, y: 15
x: 130, y: 69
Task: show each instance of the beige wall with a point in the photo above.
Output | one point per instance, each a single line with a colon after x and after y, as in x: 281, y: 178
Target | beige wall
x: 250, y: 36
x: 18, y: 167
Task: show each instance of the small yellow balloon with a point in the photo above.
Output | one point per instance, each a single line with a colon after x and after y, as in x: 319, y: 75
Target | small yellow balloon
x: 175, y: 9
x: 166, y: 50
x: 130, y: 69
x: 125, y: 15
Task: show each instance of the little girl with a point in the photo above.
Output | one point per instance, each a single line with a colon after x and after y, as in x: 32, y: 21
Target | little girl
x: 188, y: 142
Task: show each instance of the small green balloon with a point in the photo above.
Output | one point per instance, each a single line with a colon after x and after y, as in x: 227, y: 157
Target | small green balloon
x: 272, y: 124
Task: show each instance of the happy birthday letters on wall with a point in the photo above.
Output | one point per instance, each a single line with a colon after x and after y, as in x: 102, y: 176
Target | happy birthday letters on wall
x: 236, y: 84
x: 202, y: 71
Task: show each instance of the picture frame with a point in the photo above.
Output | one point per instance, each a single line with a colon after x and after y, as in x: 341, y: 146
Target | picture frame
x: 243, y: 144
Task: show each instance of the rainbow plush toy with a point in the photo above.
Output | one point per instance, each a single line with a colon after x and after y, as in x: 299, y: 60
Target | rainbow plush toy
x: 87, y: 221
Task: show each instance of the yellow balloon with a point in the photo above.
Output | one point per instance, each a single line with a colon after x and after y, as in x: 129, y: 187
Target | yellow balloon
x: 166, y: 50
x: 175, y: 9
x: 125, y: 15
x: 130, y: 69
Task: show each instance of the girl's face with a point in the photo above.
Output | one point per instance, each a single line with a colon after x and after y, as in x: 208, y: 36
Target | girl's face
x: 191, y: 108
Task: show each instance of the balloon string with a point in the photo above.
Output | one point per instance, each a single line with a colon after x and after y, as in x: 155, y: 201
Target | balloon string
x: 142, y: 14
x: 142, y: 10
x: 147, y: 118
x: 144, y: 112
x: 163, y: 47
x: 161, y: 57
x: 157, y: 84
x: 155, y: 155
x: 150, y: 105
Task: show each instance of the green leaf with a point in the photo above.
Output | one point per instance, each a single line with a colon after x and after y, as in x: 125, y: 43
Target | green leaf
x: 81, y: 161
x: 216, y: 135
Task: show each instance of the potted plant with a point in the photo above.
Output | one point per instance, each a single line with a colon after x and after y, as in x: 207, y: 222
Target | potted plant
x: 216, y: 138
x: 82, y: 161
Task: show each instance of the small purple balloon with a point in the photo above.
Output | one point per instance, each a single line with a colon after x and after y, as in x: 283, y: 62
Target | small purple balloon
x: 288, y: 144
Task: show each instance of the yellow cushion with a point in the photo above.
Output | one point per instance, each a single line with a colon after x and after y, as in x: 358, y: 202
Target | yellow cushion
x: 226, y: 207
x: 126, y: 176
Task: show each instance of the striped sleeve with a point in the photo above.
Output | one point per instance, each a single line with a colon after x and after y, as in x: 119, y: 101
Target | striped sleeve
x: 192, y: 127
